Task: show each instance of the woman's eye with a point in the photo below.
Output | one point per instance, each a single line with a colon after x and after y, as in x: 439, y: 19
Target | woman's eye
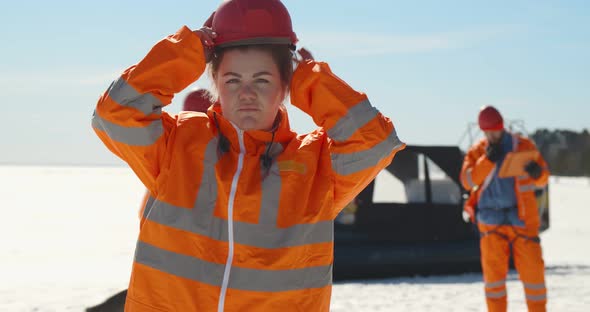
x: 261, y: 80
x: 232, y: 81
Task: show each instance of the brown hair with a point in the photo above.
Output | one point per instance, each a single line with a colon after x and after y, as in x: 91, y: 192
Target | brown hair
x: 281, y: 54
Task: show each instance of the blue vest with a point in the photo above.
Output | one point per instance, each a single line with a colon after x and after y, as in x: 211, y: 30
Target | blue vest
x: 497, y: 203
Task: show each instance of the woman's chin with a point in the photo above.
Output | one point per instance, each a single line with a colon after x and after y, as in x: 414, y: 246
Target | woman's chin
x: 248, y: 123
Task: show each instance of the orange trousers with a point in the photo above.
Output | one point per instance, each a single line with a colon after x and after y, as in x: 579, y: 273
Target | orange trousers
x: 495, y: 245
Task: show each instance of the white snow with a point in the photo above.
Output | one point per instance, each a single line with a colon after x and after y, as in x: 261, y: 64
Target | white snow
x: 68, y: 236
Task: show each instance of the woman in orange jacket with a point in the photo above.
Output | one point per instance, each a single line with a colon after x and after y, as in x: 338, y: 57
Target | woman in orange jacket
x: 507, y: 212
x: 243, y: 208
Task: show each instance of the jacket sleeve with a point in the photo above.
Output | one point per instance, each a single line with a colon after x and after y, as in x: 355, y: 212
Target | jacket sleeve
x: 128, y: 117
x: 361, y: 140
x: 476, y: 167
x: 544, y: 178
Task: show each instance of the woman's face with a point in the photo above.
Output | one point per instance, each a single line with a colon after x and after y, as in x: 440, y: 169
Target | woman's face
x: 250, y: 88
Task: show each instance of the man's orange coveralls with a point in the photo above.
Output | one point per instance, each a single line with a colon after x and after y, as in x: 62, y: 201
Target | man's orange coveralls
x: 508, y: 218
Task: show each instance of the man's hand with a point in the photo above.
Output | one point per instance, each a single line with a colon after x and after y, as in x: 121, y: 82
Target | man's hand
x: 494, y: 152
x: 207, y: 36
x: 533, y: 170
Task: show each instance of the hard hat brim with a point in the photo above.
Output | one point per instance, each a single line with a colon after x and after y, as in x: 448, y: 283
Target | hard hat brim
x: 257, y: 41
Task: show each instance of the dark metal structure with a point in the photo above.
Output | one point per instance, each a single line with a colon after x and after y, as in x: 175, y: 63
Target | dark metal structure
x: 412, y: 223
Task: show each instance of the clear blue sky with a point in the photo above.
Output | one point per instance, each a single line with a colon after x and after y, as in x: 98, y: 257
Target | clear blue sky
x: 429, y: 65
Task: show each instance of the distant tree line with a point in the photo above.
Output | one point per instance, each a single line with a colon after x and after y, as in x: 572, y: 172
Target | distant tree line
x: 566, y: 152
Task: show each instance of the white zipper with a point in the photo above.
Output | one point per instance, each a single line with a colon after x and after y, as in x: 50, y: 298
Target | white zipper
x: 230, y: 221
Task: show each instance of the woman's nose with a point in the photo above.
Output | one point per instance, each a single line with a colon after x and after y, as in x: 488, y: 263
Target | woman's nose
x: 247, y: 92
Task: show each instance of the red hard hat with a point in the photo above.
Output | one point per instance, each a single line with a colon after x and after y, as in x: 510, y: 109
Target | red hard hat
x: 197, y: 101
x: 490, y: 119
x: 244, y: 22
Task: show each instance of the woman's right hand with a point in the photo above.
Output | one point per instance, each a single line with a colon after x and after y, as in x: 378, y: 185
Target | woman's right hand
x: 207, y: 36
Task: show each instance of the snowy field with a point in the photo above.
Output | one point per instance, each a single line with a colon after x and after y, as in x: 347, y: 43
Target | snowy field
x: 68, y: 234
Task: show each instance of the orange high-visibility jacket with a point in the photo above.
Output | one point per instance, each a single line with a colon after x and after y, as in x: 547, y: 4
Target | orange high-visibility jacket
x: 223, y: 234
x: 478, y: 170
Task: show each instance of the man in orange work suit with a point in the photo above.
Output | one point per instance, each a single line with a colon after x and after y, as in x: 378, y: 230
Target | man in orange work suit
x: 506, y: 211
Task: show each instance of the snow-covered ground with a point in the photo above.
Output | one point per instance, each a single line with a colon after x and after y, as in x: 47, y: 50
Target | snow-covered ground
x: 68, y: 234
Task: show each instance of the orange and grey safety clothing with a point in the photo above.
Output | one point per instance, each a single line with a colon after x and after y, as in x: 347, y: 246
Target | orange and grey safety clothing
x: 495, y: 245
x: 498, y: 240
x: 477, y: 173
x: 497, y: 203
x: 229, y: 230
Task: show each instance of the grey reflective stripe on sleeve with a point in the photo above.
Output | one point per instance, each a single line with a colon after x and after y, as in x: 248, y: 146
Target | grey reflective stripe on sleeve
x: 357, y: 116
x: 496, y: 294
x: 536, y: 297
x: 469, y: 178
x: 345, y: 164
x: 534, y: 286
x: 124, y: 94
x: 240, y: 278
x: 136, y: 136
x: 527, y: 187
x: 496, y: 284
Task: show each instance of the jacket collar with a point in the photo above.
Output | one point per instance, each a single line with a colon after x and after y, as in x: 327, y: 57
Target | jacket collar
x: 254, y: 140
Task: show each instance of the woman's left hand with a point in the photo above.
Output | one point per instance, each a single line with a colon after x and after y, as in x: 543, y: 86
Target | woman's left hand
x: 304, y: 55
